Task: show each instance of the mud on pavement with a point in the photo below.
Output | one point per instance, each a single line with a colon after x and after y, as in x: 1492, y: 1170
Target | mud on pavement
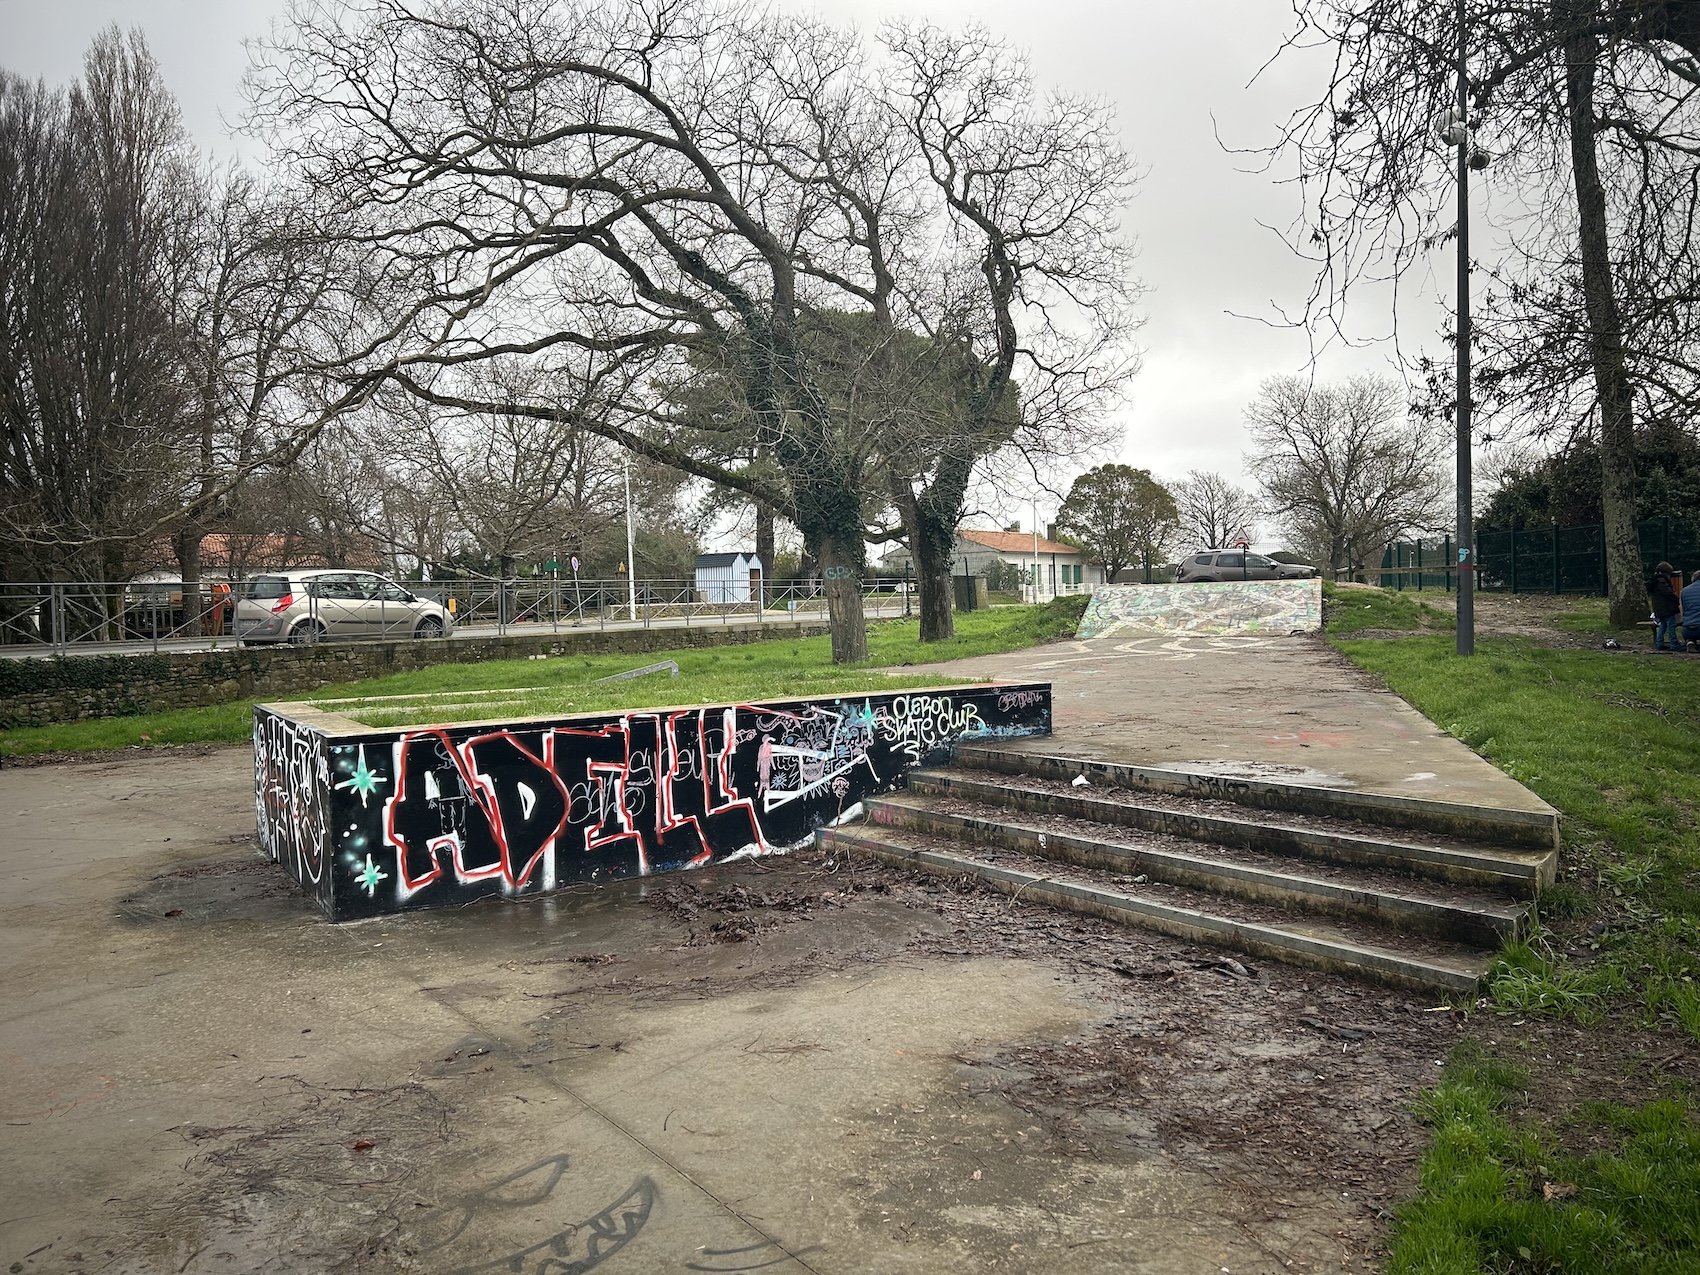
x: 803, y: 1063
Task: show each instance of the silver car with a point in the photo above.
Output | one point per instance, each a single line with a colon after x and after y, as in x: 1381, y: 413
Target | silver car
x: 1217, y: 565
x: 327, y: 605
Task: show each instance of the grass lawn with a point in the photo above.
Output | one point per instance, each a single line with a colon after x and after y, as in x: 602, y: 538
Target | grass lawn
x: 1613, y: 740
x: 1500, y: 1194
x: 1354, y: 610
x: 460, y: 692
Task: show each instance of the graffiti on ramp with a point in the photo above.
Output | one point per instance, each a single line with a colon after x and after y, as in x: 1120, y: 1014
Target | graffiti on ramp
x: 1251, y: 606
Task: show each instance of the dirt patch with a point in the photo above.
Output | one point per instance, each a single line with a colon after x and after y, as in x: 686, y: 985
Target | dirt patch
x: 134, y: 752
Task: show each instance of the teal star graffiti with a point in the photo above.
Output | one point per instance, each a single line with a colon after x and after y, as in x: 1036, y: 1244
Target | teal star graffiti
x: 368, y: 875
x: 364, y: 780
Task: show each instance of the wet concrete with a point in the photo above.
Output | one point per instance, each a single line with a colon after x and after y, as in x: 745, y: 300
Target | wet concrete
x: 203, y: 1075
x: 1255, y: 707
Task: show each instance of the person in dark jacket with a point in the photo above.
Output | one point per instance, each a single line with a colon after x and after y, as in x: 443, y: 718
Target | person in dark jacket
x: 1667, y: 608
x: 1691, y: 611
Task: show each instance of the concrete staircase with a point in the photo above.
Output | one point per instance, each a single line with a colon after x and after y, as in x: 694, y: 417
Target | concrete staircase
x: 1403, y: 890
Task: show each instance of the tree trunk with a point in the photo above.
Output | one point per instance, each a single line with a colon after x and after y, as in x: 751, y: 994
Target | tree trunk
x: 933, y: 589
x: 1624, y: 584
x: 930, y: 545
x: 931, y: 519
x: 187, y: 545
x: 841, y: 560
x: 765, y: 549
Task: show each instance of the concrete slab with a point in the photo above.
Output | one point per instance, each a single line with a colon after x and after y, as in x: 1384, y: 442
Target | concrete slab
x: 1248, y: 706
x: 204, y: 1075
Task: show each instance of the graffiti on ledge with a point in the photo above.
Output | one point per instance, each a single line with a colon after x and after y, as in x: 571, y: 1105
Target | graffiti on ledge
x: 385, y: 821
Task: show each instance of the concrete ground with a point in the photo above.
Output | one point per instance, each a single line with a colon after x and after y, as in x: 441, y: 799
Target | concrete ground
x: 796, y: 1065
x: 1250, y: 705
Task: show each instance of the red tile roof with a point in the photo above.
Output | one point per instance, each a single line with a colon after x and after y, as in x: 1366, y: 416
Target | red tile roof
x: 1017, y: 542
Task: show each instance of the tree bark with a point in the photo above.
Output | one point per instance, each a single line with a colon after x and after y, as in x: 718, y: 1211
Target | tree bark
x: 929, y: 522
x: 1624, y: 584
x: 841, y: 560
x: 765, y: 549
x: 187, y: 545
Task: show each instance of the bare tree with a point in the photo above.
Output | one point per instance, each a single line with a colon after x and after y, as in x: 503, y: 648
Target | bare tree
x: 1591, y: 100
x: 628, y: 198
x: 266, y: 298
x: 1344, y: 467
x: 1212, y: 511
x: 96, y: 195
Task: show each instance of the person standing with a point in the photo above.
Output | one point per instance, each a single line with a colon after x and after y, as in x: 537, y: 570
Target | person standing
x: 1691, y: 611
x: 1667, y: 608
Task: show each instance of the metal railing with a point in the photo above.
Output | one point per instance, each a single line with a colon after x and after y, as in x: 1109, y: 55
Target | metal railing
x: 66, y: 616
x: 529, y: 603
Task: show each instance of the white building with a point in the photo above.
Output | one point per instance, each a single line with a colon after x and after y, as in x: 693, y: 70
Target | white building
x: 729, y: 577
x: 1062, y: 568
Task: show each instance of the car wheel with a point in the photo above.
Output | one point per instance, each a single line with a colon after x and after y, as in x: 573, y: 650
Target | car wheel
x: 307, y: 633
x: 429, y: 627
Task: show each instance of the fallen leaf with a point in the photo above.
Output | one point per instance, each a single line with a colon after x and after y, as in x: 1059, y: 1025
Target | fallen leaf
x: 1558, y: 1190
x: 364, y: 1144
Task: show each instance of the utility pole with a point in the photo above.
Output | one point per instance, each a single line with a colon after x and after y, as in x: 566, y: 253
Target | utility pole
x: 631, y: 560
x: 1458, y: 133
x: 1035, y: 551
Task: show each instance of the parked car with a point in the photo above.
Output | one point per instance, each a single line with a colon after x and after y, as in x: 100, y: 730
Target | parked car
x: 1216, y: 565
x: 319, y: 605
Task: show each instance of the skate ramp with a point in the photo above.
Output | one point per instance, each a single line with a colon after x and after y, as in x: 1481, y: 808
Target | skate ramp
x: 1251, y: 606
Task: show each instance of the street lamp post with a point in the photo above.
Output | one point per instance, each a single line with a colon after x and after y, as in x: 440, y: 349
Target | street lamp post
x: 631, y: 557
x: 1456, y: 132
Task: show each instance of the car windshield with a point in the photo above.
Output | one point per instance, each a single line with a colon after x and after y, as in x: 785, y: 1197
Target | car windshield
x: 265, y: 588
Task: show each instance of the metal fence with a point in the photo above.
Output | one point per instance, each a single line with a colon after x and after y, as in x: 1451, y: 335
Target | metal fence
x: 64, y: 616
x: 1538, y: 559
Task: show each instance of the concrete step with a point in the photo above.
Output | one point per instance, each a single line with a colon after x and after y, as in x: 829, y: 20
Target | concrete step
x: 1336, y: 946
x: 1376, y: 898
x: 1520, y: 873
x: 1526, y: 829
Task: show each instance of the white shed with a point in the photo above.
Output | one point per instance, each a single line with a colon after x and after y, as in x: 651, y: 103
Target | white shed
x: 729, y: 577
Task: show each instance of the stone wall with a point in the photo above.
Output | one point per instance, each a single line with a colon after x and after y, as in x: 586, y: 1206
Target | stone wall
x: 37, y: 692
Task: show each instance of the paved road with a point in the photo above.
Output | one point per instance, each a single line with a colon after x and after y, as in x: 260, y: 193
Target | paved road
x: 202, y: 1075
x: 874, y: 610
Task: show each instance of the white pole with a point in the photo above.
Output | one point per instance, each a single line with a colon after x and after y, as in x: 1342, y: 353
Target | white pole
x: 1035, y: 551
x: 631, y: 559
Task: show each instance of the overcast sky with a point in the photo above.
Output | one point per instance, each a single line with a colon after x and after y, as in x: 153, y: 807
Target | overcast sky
x: 1179, y: 73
